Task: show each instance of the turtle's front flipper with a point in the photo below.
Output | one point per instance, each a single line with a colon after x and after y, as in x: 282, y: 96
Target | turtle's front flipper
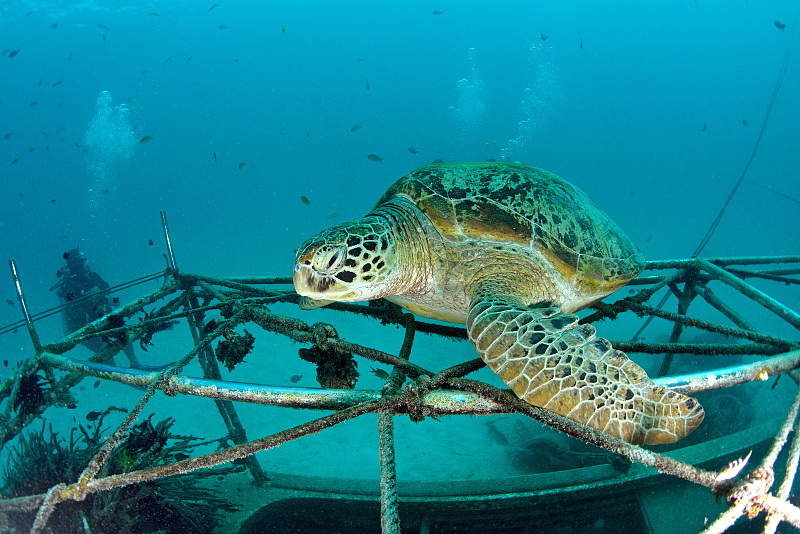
x: 307, y: 303
x: 551, y: 361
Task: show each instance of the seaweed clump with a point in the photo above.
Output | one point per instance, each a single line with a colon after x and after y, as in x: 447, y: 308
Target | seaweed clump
x: 232, y: 350
x: 30, y: 396
x: 173, y: 504
x: 335, y: 369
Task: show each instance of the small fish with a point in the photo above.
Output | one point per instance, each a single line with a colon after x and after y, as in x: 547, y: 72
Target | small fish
x: 242, y: 164
x: 333, y: 215
x: 745, y: 123
x: 150, y: 242
x: 143, y: 72
x: 96, y: 385
x: 581, y: 43
x: 308, y: 135
x: 705, y: 127
x: 215, y: 157
x: 115, y: 300
x: 180, y: 456
x: 366, y: 80
x: 437, y: 12
x: 7, y: 135
x: 780, y: 25
x: 732, y: 469
x: 153, y: 14
x: 91, y: 416
x: 543, y: 36
x: 413, y: 150
x: 31, y: 149
x: 355, y: 128
x: 62, y: 238
x: 104, y: 37
x: 10, y: 302
x: 168, y: 59
x: 188, y: 59
x: 52, y: 201
x: 222, y: 27
x: 34, y: 103
x: 146, y: 139
x: 380, y: 373
x: 295, y: 379
x: 105, y: 191
x: 304, y: 200
x: 102, y: 26
x: 53, y: 26
x: 13, y: 53
x: 283, y: 29
x: 213, y: 7
x: 65, y: 255
x: 5, y: 363
x: 56, y: 84
x: 376, y: 158
x: 13, y: 161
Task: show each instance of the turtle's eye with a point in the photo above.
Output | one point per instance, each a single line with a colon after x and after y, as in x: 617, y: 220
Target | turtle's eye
x: 329, y: 259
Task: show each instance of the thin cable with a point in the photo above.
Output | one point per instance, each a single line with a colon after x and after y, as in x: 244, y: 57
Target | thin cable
x: 718, y: 219
x: 772, y: 98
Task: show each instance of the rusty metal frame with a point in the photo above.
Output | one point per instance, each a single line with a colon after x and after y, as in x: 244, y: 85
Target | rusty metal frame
x: 417, y: 391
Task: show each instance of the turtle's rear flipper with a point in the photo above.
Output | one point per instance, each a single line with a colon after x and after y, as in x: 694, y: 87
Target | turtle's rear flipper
x: 551, y: 361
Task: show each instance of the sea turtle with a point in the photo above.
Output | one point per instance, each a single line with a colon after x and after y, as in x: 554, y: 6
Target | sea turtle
x: 511, y: 251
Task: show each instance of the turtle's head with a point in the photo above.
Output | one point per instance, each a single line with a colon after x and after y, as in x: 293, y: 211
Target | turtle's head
x: 351, y: 262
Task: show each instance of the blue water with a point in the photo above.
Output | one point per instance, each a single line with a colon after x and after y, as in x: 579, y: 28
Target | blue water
x: 653, y: 108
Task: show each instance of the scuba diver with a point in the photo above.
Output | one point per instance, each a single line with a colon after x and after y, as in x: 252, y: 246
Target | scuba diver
x: 79, y: 283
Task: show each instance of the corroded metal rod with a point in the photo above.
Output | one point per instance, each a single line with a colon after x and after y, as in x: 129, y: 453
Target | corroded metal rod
x: 37, y: 345
x: 782, y: 311
x: 445, y: 402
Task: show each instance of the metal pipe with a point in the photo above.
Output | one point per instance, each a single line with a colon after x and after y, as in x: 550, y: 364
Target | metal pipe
x: 746, y: 289
x: 37, y: 345
x: 170, y: 253
x: 440, y: 401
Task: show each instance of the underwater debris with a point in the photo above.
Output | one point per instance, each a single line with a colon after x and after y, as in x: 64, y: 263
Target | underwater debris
x: 232, y: 350
x: 335, y: 370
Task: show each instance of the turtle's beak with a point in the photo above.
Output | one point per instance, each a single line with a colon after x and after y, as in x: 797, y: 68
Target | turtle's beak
x: 307, y: 283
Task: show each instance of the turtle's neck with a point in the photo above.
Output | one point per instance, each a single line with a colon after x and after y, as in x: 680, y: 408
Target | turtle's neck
x: 411, y: 232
